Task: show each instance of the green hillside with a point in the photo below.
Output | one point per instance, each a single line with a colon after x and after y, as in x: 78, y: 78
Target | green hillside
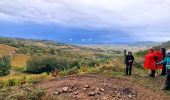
x: 21, y: 50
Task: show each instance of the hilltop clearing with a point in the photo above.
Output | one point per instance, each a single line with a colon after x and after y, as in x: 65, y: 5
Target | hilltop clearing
x: 96, y: 87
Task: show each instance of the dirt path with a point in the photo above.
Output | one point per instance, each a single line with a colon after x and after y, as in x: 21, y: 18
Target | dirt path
x: 94, y: 87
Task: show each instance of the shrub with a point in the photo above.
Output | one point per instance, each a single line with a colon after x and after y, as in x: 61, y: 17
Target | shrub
x: 141, y: 53
x: 71, y: 71
x: 40, y: 64
x: 11, y: 82
x: 5, y: 65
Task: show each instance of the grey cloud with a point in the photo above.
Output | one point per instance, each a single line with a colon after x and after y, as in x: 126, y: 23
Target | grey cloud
x: 132, y: 16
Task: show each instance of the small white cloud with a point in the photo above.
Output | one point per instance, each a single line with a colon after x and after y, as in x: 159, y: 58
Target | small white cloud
x: 89, y: 39
x: 70, y: 39
x: 83, y: 40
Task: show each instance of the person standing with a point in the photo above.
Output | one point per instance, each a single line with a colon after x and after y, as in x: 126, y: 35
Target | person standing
x: 163, y: 51
x: 167, y: 62
x: 151, y: 59
x: 129, y: 61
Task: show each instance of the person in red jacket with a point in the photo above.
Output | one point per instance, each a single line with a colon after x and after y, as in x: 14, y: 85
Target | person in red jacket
x: 151, y: 59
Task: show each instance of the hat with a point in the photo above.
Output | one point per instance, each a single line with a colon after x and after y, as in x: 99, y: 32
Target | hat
x: 168, y: 53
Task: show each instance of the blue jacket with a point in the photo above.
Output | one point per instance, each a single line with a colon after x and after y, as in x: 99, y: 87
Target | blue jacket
x: 167, y: 62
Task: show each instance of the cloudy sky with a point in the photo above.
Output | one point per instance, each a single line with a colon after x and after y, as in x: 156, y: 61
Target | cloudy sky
x: 86, y: 21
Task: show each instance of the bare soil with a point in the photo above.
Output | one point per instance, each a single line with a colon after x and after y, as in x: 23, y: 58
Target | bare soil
x: 96, y: 87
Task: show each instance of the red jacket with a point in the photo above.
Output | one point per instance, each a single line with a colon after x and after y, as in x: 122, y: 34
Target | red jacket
x: 151, y: 59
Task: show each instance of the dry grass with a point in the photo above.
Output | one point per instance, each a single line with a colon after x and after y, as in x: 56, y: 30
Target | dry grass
x: 19, y: 61
x: 21, y: 75
x: 5, y: 49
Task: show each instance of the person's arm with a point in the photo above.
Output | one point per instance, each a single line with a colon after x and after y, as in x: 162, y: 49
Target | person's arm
x: 133, y: 58
x: 162, y: 62
x: 126, y: 59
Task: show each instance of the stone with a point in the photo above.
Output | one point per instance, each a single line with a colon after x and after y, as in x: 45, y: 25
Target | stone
x: 105, y: 84
x: 75, y: 93
x: 92, y: 94
x: 70, y: 90
x: 86, y: 86
x: 84, y: 89
x: 65, y: 89
x: 56, y: 93
x: 102, y: 90
x: 130, y: 96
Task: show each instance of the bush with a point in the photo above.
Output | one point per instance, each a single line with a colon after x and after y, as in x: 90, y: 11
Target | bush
x: 71, y: 71
x: 5, y: 66
x: 40, y: 64
x: 141, y: 53
x: 12, y: 82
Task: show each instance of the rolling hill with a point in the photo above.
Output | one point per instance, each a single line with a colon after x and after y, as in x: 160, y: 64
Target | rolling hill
x: 165, y: 45
x: 20, y: 50
x: 100, y: 74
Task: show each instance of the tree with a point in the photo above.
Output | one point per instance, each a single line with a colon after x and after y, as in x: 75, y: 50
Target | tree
x: 5, y: 65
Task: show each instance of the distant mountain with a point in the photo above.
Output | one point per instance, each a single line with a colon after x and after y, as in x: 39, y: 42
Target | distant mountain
x: 129, y: 44
x: 163, y: 45
x: 145, y: 43
x: 133, y: 46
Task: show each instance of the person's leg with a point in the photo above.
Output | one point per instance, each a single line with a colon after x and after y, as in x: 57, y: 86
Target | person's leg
x: 130, y: 69
x: 127, y: 69
x: 167, y: 83
x: 152, y: 73
x: 163, y: 70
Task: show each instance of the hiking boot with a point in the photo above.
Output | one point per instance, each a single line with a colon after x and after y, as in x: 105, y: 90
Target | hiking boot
x: 162, y: 75
x: 151, y: 75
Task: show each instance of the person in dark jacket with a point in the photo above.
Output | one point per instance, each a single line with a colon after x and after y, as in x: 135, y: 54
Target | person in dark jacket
x: 163, y: 51
x: 129, y: 61
x: 166, y: 61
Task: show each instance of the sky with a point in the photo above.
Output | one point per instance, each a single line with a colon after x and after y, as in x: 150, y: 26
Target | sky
x: 86, y: 21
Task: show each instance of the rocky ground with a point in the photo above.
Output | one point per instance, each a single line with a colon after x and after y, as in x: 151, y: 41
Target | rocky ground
x: 95, y: 87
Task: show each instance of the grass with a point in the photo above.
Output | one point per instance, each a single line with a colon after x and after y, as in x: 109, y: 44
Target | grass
x: 5, y: 49
x: 19, y: 61
x: 21, y: 76
x: 114, y: 67
x: 26, y: 92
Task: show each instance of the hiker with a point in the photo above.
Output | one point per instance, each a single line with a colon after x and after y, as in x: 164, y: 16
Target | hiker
x: 163, y: 51
x: 129, y: 61
x: 166, y: 61
x: 150, y: 59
